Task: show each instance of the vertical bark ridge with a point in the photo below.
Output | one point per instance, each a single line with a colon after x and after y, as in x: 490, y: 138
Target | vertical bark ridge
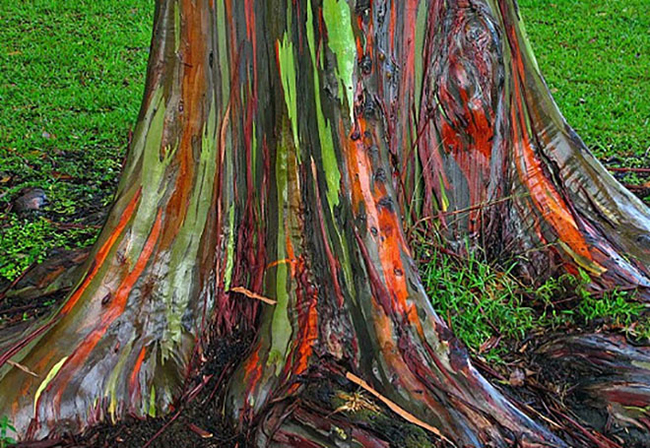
x: 385, y: 330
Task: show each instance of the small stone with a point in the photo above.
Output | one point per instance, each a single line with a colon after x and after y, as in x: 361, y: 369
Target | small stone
x: 30, y: 199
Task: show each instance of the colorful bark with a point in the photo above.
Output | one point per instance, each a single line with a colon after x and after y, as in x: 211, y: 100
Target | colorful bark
x: 123, y: 340
x: 614, y: 377
x: 278, y: 144
x: 500, y: 167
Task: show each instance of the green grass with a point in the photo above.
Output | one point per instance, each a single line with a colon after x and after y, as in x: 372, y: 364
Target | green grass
x: 6, y: 430
x: 71, y: 81
x: 595, y: 57
x: 492, y: 312
x: 480, y: 303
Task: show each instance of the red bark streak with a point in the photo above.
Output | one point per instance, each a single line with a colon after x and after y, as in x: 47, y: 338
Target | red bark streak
x: 407, y: 83
x: 307, y: 322
x: 102, y: 253
x: 627, y: 398
x: 252, y: 38
x: 134, y: 384
x: 307, y: 317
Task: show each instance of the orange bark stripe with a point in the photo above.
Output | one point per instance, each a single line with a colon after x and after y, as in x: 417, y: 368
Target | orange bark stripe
x: 306, y: 301
x: 252, y: 375
x: 103, y: 252
x: 390, y: 242
x: 543, y: 193
x: 193, y: 59
x: 116, y: 308
x: 133, y: 381
x: 309, y: 336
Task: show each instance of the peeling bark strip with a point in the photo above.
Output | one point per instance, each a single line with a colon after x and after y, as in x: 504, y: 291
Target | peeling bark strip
x: 278, y: 147
x: 615, y: 380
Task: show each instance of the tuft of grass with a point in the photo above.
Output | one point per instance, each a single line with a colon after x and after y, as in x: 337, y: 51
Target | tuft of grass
x: 479, y: 302
x: 6, y: 428
x: 616, y: 306
x: 595, y: 59
x: 489, y: 309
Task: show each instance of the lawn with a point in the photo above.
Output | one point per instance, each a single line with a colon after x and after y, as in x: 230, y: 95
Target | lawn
x: 72, y: 76
x: 595, y: 56
x: 71, y: 79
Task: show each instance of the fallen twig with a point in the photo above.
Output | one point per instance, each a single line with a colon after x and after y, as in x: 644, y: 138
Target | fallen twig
x: 395, y: 408
x: 630, y: 170
x: 200, y: 431
x: 21, y: 367
x: 253, y: 295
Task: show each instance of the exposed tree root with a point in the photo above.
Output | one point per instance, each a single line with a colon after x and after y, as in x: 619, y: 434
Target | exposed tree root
x: 608, y: 382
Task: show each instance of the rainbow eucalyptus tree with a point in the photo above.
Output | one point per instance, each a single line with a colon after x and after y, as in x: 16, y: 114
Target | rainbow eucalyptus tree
x: 280, y: 148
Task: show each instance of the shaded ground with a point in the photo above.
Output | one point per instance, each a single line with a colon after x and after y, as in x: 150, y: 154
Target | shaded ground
x: 543, y: 390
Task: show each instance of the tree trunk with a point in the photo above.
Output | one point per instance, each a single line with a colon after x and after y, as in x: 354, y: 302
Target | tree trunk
x: 501, y: 168
x: 279, y: 144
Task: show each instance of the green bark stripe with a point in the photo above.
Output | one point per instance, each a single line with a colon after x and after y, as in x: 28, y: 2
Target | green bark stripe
x: 152, y: 402
x: 230, y: 250
x: 420, y: 28
x: 288, y: 77
x: 115, y: 378
x: 152, y: 174
x: 330, y: 163
x: 280, y: 324
x: 186, y: 246
x: 177, y: 27
x: 338, y: 20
